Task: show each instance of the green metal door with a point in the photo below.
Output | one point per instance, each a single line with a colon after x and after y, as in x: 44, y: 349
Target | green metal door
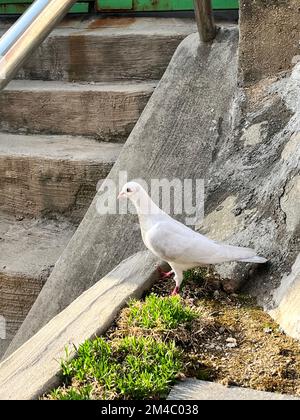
x: 160, y: 5
x: 84, y: 6
x: 12, y: 7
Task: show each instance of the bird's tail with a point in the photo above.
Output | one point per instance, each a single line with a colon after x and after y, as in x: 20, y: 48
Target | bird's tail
x: 237, y: 253
x: 256, y: 259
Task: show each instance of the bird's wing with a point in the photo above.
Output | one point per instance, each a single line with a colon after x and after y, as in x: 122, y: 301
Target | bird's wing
x: 175, y: 242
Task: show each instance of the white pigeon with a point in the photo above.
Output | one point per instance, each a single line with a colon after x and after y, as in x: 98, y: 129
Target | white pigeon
x: 181, y: 247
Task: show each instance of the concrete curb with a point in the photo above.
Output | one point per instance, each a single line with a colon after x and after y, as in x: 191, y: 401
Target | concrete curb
x: 194, y: 389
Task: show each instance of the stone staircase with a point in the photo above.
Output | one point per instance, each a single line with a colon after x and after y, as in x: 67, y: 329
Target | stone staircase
x: 63, y: 122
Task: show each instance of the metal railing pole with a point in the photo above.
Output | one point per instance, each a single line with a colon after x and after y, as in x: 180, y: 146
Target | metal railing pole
x: 205, y: 20
x: 28, y: 33
x: 20, y: 26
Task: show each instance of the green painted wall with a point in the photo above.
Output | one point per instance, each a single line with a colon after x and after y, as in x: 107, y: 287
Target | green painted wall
x: 19, y: 6
x: 160, y: 5
x: 12, y: 7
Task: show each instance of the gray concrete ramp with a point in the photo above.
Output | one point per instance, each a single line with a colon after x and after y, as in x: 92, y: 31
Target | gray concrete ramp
x: 177, y: 136
x: 193, y: 389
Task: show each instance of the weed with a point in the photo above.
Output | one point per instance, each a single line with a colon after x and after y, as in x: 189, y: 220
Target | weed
x: 133, y: 367
x: 161, y: 313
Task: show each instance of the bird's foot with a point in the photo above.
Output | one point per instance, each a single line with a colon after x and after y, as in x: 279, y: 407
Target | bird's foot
x: 175, y: 291
x: 165, y: 275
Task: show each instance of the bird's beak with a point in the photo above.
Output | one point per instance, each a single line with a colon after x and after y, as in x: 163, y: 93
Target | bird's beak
x: 122, y: 194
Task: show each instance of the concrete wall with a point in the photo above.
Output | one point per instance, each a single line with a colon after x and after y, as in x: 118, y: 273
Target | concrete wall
x: 269, y: 37
x: 287, y: 301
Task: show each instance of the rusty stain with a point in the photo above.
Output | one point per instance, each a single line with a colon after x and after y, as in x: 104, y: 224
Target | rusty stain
x: 111, y: 22
x: 77, y: 51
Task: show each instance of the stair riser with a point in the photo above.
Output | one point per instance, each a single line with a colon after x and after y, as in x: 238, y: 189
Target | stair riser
x: 17, y: 295
x: 107, y: 116
x: 33, y: 186
x: 90, y: 57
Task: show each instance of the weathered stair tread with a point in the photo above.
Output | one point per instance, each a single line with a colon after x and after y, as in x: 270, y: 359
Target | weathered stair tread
x: 106, y: 111
x: 136, y: 25
x: 50, y: 175
x: 30, y: 246
x: 58, y: 147
x: 28, y: 251
x: 33, y: 369
x: 130, y: 86
x: 122, y: 24
x: 194, y: 389
x: 108, y: 49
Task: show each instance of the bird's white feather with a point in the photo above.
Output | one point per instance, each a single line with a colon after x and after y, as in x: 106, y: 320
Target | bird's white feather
x: 176, y: 243
x: 180, y: 244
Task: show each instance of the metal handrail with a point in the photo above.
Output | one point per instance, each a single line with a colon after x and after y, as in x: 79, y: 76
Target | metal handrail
x: 37, y: 22
x: 28, y: 33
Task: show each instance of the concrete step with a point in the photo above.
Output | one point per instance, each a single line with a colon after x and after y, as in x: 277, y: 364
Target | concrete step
x: 193, y: 389
x: 108, y: 49
x: 106, y: 111
x: 28, y: 251
x: 50, y: 175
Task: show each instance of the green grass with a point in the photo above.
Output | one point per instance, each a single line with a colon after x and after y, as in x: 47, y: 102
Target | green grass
x: 132, y: 367
x: 195, y: 275
x: 71, y: 393
x: 161, y: 313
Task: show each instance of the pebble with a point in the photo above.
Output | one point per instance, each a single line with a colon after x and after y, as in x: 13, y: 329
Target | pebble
x: 231, y: 343
x: 268, y: 330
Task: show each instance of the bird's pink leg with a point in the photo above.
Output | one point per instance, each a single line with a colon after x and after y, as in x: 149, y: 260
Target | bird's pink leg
x: 178, y: 279
x: 175, y: 291
x: 165, y: 275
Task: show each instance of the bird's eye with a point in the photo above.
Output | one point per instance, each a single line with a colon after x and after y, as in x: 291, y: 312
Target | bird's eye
x: 128, y: 190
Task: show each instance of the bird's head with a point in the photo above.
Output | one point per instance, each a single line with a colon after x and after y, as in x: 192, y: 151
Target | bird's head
x: 130, y: 190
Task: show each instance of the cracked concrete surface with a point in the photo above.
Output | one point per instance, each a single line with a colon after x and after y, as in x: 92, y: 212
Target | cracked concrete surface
x: 290, y: 203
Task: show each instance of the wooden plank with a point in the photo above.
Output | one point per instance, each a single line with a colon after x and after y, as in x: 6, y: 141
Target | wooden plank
x: 32, y: 370
x: 205, y: 20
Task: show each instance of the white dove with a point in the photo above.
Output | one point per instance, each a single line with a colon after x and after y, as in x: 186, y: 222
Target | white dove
x: 181, y: 247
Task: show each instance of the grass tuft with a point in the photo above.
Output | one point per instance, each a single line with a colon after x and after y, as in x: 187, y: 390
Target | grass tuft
x: 133, y: 367
x: 161, y: 313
